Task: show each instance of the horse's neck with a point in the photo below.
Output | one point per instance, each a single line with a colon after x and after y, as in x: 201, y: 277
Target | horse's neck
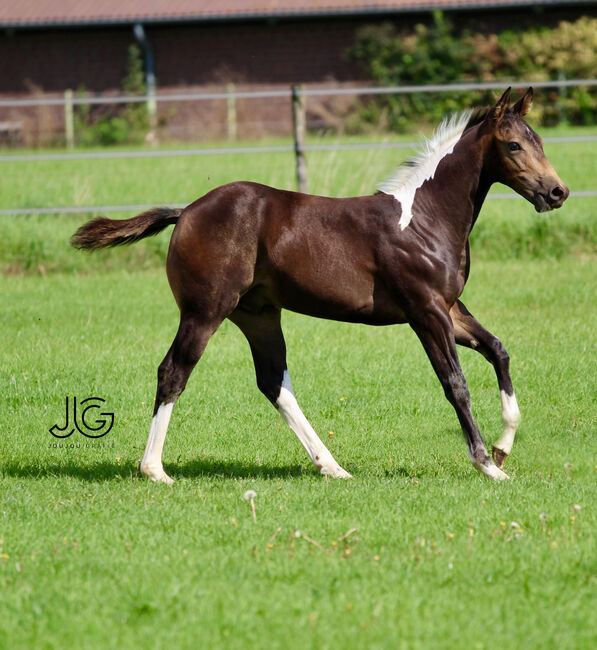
x: 459, y: 188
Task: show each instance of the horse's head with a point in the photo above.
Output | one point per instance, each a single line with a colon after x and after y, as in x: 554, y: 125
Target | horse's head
x: 517, y: 158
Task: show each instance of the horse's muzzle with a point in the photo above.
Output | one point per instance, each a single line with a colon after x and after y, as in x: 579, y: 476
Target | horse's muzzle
x: 550, y: 201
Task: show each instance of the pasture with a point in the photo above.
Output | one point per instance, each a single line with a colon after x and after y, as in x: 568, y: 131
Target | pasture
x: 418, y: 551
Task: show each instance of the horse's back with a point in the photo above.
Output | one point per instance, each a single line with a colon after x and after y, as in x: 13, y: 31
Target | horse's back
x: 311, y: 254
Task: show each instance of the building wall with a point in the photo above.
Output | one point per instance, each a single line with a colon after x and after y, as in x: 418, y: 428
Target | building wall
x: 208, y: 56
x: 261, y: 52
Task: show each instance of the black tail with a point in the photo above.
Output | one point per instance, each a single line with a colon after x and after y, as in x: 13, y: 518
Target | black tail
x: 102, y: 232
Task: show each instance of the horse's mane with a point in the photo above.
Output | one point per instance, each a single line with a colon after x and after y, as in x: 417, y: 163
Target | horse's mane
x: 477, y: 116
x: 405, y: 180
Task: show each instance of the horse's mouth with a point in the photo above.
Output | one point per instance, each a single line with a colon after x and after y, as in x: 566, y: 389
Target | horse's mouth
x: 541, y: 203
x: 546, y: 203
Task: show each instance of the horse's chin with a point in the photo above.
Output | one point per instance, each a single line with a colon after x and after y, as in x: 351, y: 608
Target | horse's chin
x: 541, y: 204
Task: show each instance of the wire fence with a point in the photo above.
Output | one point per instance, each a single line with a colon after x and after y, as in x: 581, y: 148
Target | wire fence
x: 296, y: 97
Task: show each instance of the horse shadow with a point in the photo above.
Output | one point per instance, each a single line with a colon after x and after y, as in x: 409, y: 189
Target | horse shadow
x: 109, y: 471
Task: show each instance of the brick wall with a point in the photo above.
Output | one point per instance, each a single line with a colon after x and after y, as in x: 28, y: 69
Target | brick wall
x: 207, y: 56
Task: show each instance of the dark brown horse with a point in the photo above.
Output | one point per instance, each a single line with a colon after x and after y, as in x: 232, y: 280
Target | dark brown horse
x: 246, y: 251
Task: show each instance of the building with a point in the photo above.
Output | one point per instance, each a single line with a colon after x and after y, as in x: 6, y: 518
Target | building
x: 47, y: 47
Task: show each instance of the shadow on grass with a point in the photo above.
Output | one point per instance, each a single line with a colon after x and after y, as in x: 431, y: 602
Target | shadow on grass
x: 105, y: 471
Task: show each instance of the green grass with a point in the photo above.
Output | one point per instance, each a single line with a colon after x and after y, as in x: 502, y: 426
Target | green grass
x: 94, y: 557
x: 39, y: 244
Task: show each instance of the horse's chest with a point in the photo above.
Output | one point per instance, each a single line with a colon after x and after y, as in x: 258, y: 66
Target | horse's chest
x: 417, y: 274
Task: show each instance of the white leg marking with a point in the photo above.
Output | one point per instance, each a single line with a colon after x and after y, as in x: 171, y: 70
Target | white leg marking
x: 151, y: 465
x: 294, y: 417
x: 511, y: 420
x: 492, y: 470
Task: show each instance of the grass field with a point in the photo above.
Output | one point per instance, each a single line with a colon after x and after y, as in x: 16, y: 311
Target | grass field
x: 418, y: 551
x: 39, y: 244
x: 92, y: 556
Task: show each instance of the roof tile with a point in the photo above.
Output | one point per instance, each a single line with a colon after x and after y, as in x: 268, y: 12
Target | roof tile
x: 77, y: 12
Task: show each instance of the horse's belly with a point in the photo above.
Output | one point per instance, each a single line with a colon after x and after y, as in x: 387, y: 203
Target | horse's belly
x: 349, y: 299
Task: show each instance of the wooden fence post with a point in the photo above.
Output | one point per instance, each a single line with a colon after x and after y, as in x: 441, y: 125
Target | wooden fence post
x: 299, y: 126
x: 69, y: 120
x: 231, y: 112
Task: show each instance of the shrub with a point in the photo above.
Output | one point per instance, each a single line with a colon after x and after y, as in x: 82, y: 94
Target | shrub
x: 114, y: 124
x: 437, y: 54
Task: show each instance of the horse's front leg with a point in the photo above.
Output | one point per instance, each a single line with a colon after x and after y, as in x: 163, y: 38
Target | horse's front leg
x: 435, y: 330
x: 471, y: 334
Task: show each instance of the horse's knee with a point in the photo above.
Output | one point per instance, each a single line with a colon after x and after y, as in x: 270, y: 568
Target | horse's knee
x: 456, y: 389
x: 172, y: 380
x: 500, y: 352
x: 269, y: 387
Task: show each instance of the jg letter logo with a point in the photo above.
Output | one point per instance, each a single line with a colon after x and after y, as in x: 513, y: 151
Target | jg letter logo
x: 96, y: 428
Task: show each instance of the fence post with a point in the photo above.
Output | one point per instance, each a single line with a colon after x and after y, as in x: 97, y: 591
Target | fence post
x: 69, y: 121
x: 152, y: 110
x: 298, y: 126
x: 231, y: 112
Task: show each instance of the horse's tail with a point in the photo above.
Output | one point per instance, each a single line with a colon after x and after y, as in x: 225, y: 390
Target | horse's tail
x: 102, y: 232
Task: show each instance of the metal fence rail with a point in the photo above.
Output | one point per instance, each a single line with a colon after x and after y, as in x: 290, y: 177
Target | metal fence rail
x: 305, y: 91
x: 217, y: 151
x: 298, y: 147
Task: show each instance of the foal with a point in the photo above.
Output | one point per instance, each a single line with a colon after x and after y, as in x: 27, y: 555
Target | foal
x: 246, y: 251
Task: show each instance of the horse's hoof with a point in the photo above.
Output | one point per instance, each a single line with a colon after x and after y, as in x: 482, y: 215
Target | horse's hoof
x: 499, y: 456
x: 157, y: 475
x: 492, y: 471
x: 335, y: 471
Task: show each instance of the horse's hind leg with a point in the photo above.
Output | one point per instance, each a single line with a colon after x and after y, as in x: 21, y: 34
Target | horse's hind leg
x: 264, y: 333
x: 173, y: 373
x: 470, y: 333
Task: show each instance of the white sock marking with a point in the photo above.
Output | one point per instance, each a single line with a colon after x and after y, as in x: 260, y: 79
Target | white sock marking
x: 319, y: 454
x: 491, y: 470
x: 151, y: 465
x: 407, y: 179
x: 511, y: 420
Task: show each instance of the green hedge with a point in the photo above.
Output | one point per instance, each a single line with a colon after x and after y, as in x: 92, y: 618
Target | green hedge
x: 437, y: 54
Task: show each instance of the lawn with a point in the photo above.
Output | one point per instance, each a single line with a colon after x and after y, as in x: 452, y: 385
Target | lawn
x: 417, y: 551
x: 93, y: 556
x: 39, y: 244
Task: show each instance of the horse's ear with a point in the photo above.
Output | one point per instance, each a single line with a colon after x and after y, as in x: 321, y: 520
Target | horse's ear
x: 523, y: 105
x: 499, y: 110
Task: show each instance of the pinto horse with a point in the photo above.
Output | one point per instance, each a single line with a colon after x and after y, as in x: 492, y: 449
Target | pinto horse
x: 246, y: 251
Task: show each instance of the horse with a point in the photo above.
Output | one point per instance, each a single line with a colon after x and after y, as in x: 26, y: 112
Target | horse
x: 245, y: 251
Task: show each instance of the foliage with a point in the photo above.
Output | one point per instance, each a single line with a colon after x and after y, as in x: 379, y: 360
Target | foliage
x: 432, y: 53
x: 568, y: 51
x: 438, y: 54
x: 108, y: 125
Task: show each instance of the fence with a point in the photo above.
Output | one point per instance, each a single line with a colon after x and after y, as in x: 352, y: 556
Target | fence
x: 297, y: 98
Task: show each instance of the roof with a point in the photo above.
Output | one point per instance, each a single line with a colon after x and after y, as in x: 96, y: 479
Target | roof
x: 38, y: 13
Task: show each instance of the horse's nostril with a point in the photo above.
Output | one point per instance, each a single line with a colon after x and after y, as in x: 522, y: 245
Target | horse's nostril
x: 557, y: 192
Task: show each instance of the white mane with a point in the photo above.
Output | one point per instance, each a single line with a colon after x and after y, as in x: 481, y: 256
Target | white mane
x: 404, y: 182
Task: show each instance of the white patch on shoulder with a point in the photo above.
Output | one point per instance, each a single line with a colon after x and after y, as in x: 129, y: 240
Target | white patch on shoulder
x: 404, y: 182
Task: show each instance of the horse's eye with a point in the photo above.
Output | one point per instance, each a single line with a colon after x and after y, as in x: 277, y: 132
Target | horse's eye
x: 514, y: 146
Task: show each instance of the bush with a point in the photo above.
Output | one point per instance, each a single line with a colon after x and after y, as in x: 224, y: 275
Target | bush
x: 106, y: 125
x: 436, y: 54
